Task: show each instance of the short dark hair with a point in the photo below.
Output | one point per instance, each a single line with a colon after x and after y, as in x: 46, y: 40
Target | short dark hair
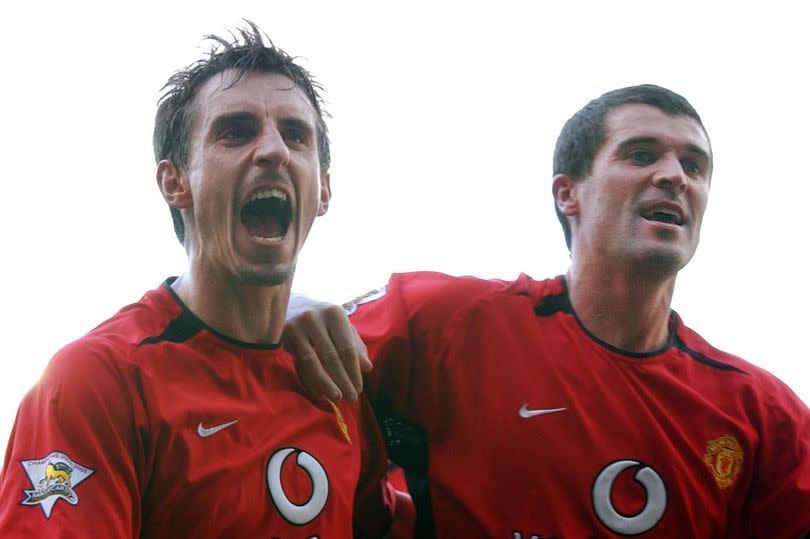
x: 584, y: 133
x: 247, y: 50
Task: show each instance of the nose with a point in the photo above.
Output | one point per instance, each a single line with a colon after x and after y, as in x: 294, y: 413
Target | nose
x: 271, y: 149
x: 670, y: 174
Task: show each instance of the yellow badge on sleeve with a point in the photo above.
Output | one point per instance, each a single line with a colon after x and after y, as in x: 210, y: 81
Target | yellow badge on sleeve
x: 351, y: 306
x: 53, y: 478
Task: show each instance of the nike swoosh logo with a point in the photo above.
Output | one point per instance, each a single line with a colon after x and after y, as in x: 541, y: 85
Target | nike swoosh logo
x: 525, y: 413
x: 206, y: 432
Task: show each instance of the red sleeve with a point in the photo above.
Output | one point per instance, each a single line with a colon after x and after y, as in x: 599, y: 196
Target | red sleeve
x: 779, y: 504
x: 405, y: 326
x: 72, y: 460
x: 374, y: 499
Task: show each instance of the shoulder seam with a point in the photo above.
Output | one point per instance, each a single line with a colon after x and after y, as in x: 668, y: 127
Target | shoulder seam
x: 704, y: 359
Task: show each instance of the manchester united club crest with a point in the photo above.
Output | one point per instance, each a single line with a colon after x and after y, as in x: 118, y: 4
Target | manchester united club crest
x: 724, y: 458
x: 53, y: 478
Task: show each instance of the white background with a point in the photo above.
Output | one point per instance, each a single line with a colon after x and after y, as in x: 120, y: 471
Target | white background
x: 444, y: 121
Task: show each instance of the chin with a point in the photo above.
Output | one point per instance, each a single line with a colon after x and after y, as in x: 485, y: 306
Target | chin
x: 265, y: 277
x: 661, y: 262
x: 654, y: 259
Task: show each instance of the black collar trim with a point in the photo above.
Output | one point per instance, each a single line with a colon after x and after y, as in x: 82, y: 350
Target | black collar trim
x: 188, y: 325
x: 562, y: 303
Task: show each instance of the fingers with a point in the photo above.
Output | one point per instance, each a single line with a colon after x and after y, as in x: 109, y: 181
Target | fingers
x: 329, y: 355
x: 362, y: 353
x: 308, y: 366
x: 345, y: 340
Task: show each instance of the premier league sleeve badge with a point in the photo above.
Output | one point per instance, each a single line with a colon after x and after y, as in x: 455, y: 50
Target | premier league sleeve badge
x: 53, y: 478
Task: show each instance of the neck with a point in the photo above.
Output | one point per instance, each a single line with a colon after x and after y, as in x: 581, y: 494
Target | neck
x: 621, y: 307
x: 245, y: 312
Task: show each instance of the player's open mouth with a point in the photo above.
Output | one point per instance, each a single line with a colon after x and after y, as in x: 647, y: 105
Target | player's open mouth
x: 267, y: 215
x: 664, y: 215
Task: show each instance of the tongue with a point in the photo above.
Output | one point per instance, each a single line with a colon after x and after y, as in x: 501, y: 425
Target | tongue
x: 262, y: 226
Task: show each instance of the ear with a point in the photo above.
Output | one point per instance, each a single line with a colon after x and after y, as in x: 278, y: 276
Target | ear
x: 564, y: 188
x: 326, y: 194
x: 173, y: 185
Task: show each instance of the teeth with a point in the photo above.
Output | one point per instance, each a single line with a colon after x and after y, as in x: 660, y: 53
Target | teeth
x: 268, y: 193
x: 267, y: 241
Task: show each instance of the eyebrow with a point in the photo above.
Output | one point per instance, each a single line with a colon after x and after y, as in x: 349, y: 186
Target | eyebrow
x: 232, y: 117
x: 298, y: 123
x: 646, y: 140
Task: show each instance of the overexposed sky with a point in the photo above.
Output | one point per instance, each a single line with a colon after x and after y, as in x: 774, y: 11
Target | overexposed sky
x: 444, y: 121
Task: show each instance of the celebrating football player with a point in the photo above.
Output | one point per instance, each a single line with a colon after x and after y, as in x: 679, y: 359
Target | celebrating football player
x: 581, y: 405
x: 182, y: 416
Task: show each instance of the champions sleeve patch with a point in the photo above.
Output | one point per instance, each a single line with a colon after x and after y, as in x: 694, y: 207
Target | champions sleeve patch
x: 52, y: 478
x: 351, y: 306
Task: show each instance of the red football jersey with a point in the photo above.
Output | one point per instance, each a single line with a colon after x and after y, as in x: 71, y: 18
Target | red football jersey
x: 154, y: 425
x: 535, y: 428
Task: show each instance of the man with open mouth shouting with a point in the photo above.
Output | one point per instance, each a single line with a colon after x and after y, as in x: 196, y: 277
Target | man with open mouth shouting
x: 182, y: 416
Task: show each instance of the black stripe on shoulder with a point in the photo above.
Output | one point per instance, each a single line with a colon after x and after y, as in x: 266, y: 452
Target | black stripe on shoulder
x: 701, y: 358
x: 180, y: 329
x: 553, y: 304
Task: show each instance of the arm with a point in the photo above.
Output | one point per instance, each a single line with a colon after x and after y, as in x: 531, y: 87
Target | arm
x: 314, y: 335
x: 779, y: 503
x: 70, y: 468
x: 402, y: 324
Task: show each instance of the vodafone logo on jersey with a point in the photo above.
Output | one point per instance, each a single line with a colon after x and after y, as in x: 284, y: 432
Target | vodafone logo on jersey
x: 604, y: 494
x: 299, y: 500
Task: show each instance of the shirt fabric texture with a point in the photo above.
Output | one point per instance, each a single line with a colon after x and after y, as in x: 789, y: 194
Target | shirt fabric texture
x: 528, y: 426
x: 154, y: 425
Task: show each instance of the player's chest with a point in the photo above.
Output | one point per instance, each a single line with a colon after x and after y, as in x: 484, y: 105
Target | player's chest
x: 241, y: 456
x: 582, y: 442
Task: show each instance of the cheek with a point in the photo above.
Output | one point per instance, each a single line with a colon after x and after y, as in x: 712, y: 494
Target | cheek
x: 310, y: 195
x: 309, y: 210
x: 700, y: 201
x: 609, y: 207
x: 213, y: 203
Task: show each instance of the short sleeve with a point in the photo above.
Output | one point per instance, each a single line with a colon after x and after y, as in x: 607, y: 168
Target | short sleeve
x: 406, y: 326
x: 72, y: 460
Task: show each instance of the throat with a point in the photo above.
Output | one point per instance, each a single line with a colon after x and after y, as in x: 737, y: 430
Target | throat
x: 239, y: 311
x: 631, y: 316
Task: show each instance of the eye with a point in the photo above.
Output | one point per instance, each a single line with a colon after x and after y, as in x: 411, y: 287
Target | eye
x: 642, y: 157
x: 296, y: 136
x: 236, y: 133
x: 691, y: 167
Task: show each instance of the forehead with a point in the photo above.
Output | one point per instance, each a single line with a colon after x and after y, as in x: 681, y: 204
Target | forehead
x: 264, y: 94
x: 636, y: 120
